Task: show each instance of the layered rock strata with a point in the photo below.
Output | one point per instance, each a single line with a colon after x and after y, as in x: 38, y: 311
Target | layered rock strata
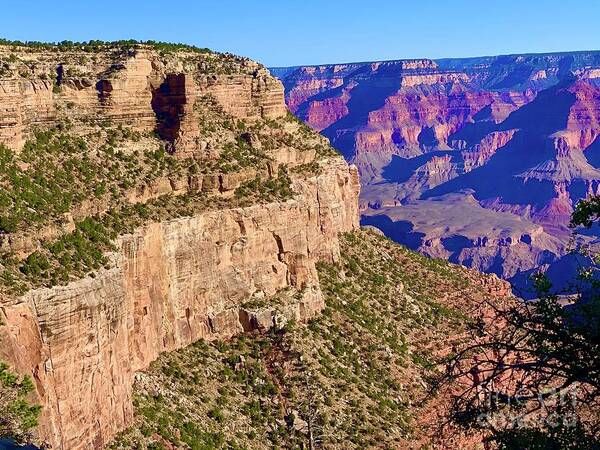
x: 206, y: 275
x: 171, y: 284
x: 518, y: 134
x: 135, y: 88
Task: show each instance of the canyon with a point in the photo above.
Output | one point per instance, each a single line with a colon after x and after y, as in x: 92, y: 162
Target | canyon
x: 182, y: 264
x: 476, y: 160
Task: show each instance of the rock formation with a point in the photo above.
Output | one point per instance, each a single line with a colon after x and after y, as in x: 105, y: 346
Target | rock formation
x: 386, y: 305
x: 172, y: 282
x: 516, y: 135
x: 135, y: 88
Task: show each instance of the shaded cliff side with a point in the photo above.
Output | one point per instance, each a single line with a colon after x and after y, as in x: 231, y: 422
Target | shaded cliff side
x: 509, y: 141
x: 151, y: 197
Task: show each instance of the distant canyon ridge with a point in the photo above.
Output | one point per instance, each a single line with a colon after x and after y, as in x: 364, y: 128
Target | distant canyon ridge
x: 479, y: 160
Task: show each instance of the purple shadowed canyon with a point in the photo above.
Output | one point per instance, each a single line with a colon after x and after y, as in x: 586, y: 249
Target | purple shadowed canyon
x: 479, y: 160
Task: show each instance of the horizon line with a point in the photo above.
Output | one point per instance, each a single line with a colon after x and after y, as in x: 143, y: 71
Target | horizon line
x: 450, y: 58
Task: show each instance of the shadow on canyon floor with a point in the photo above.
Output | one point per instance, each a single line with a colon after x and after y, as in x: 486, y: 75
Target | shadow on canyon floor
x: 563, y: 271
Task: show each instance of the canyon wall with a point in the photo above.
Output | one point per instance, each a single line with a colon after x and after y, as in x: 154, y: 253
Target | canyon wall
x: 132, y: 88
x: 510, y: 142
x: 171, y: 284
x: 208, y: 275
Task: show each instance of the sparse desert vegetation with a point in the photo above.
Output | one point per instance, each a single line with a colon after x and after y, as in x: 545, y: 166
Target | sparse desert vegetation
x: 358, y: 374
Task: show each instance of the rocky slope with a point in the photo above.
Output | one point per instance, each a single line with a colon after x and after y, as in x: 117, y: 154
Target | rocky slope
x: 504, y: 145
x: 150, y: 196
x: 357, y: 377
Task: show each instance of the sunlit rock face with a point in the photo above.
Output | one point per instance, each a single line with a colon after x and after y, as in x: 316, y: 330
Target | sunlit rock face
x: 172, y: 283
x: 208, y: 274
x: 478, y: 160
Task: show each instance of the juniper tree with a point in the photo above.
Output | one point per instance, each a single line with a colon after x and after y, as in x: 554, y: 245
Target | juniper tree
x: 529, y: 372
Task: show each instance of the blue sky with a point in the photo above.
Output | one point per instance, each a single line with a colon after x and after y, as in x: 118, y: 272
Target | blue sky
x: 290, y: 32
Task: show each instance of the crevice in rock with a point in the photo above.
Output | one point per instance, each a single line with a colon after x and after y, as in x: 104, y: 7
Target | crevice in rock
x: 211, y: 324
x: 280, y: 250
x: 245, y: 321
x: 104, y: 88
x: 60, y: 72
x: 168, y: 102
x: 188, y: 316
x: 242, y: 226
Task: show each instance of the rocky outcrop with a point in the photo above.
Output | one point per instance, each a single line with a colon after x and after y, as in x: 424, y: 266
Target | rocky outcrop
x: 481, y: 153
x: 171, y: 284
x: 517, y: 135
x: 139, y: 88
x: 210, y: 274
x: 499, y: 242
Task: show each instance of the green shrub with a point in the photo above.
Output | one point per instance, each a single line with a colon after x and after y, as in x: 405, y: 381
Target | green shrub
x: 18, y: 417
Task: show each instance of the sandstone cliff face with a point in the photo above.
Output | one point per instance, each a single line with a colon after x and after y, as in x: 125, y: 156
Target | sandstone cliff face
x: 211, y: 273
x: 518, y: 133
x: 134, y: 88
x: 172, y: 284
x: 365, y: 315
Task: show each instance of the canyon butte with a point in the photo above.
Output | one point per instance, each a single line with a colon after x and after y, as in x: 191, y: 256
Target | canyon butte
x: 181, y: 262
x: 479, y: 161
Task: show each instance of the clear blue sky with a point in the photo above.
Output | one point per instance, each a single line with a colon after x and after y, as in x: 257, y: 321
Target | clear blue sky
x: 293, y: 32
